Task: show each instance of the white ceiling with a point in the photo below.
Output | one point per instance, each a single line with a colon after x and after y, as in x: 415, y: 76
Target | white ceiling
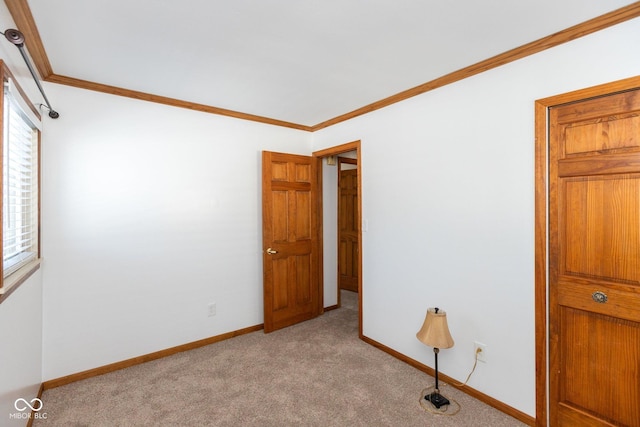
x: 302, y: 61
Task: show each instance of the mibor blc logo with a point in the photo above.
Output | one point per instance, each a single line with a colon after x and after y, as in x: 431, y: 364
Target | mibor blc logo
x: 28, y: 409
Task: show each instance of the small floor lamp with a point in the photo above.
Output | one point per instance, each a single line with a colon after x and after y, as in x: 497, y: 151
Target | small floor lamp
x: 435, y: 333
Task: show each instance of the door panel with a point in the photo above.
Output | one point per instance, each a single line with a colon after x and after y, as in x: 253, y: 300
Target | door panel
x: 601, y: 217
x: 290, y: 239
x: 594, y: 262
x: 595, y: 368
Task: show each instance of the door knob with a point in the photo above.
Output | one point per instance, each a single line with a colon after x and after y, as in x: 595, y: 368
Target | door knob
x: 599, y: 297
x: 271, y: 251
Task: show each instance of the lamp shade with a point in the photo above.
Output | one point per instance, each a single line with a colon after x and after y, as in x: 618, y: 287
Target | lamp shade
x: 435, y: 331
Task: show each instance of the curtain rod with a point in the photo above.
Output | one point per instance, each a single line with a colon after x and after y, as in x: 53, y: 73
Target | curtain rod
x: 17, y: 38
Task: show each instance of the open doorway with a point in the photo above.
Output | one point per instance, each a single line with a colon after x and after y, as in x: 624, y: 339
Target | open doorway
x: 348, y: 225
x: 329, y: 161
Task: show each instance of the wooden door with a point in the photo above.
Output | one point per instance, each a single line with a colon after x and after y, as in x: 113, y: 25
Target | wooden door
x: 594, y: 262
x: 290, y: 239
x: 348, y: 258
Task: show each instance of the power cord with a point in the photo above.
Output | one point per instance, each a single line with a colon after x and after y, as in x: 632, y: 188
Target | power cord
x: 451, y: 409
x: 475, y: 363
x: 455, y: 406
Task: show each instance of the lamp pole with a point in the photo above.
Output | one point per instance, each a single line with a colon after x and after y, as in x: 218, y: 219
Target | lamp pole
x: 436, y: 398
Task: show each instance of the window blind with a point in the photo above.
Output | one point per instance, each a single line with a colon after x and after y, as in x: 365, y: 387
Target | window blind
x: 20, y: 186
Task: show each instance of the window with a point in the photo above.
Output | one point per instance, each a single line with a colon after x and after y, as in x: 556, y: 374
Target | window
x: 20, y: 186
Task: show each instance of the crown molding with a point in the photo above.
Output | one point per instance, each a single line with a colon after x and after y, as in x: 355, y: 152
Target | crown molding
x: 114, y: 90
x: 21, y: 13
x: 23, y: 18
x: 585, y: 28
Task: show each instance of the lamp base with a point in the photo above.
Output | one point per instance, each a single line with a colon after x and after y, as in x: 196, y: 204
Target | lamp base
x: 437, y: 399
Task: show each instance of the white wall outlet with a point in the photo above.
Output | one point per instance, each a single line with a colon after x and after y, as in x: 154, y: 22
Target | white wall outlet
x: 211, y: 309
x: 480, y: 351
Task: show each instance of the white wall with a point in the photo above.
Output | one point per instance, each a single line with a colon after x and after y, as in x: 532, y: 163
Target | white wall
x: 20, y: 348
x: 149, y: 214
x: 448, y: 193
x: 21, y: 312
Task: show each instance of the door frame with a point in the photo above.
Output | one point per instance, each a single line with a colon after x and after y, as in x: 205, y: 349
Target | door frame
x: 542, y: 107
x: 318, y: 156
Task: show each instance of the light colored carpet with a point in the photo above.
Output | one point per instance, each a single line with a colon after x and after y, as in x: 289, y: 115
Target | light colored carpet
x: 318, y: 373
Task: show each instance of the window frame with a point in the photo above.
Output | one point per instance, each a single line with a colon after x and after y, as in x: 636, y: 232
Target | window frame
x: 10, y: 283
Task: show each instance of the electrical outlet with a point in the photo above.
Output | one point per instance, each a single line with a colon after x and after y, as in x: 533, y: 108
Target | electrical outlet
x: 211, y: 309
x: 480, y: 351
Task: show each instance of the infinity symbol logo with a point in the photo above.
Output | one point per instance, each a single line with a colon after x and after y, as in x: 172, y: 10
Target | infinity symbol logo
x: 34, y: 407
